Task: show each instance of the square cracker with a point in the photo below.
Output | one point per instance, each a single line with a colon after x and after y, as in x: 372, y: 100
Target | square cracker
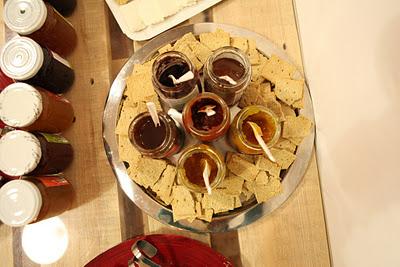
x: 296, y: 140
x: 165, y: 48
x: 149, y: 170
x: 285, y: 144
x: 296, y: 126
x: 218, y: 201
x: 257, y: 69
x: 183, y: 205
x: 240, y: 43
x: 185, y: 49
x: 185, y: 39
x: 249, y: 158
x: 262, y: 178
x: 127, y: 152
x: 203, y: 214
x: 128, y: 113
x: 283, y: 157
x: 139, y: 86
x: 267, y: 191
x: 287, y: 110
x: 265, y: 164
x: 163, y: 187
x: 289, y: 91
x: 201, y: 51
x: 231, y: 185
x: 254, y: 56
x: 215, y: 40
x: 276, y: 68
x: 242, y: 168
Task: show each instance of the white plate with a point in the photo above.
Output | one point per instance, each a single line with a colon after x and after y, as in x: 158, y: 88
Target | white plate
x: 153, y: 30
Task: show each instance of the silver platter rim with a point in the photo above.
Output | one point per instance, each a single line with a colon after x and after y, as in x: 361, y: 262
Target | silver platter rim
x: 145, y: 202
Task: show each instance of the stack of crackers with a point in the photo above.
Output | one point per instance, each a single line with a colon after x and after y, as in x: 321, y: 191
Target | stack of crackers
x: 250, y: 178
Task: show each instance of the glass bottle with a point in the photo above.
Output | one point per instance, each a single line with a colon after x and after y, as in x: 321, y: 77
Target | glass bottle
x: 25, y: 60
x: 65, y: 7
x: 41, y: 22
x: 33, y: 109
x: 23, y: 153
x: 241, y: 135
x: 33, y: 199
x: 206, y: 117
x: 176, y: 64
x: 155, y: 141
x: 191, y: 165
x: 232, y: 62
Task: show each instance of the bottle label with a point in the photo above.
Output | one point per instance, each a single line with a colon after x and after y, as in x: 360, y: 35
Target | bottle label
x: 60, y: 59
x: 52, y: 138
x: 52, y: 181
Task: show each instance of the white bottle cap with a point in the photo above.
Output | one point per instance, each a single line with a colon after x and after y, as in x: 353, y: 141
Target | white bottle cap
x: 21, y: 58
x: 20, y: 203
x: 20, y: 105
x: 20, y: 153
x: 24, y: 16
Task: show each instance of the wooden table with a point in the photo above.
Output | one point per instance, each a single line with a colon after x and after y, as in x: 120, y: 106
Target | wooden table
x: 293, y: 235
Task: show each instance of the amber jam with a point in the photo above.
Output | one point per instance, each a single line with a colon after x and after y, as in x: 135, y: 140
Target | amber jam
x: 227, y: 62
x: 266, y: 124
x: 194, y: 167
x: 191, y: 166
x: 241, y: 135
x: 155, y: 141
x: 176, y: 64
x: 206, y: 117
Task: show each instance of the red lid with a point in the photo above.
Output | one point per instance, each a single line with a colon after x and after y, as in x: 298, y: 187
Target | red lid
x: 172, y: 250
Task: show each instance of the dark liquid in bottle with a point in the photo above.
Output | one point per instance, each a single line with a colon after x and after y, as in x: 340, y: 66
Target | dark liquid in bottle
x: 53, y: 76
x: 228, y: 67
x: 200, y: 119
x: 194, y: 167
x: 56, y: 156
x: 149, y: 136
x: 264, y: 121
x: 65, y: 7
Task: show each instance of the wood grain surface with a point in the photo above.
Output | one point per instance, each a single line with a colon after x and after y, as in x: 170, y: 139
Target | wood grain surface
x: 103, y: 216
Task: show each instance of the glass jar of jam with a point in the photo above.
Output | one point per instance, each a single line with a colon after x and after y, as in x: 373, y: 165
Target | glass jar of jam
x: 206, y: 117
x: 33, y: 199
x: 227, y: 73
x: 191, y: 165
x: 33, y: 109
x: 65, y: 7
x: 24, y: 60
x: 176, y: 64
x: 153, y: 141
x: 41, y: 22
x: 241, y: 134
x: 23, y: 153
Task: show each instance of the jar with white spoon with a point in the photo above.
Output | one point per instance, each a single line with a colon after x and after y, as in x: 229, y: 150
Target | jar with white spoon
x: 175, y: 79
x: 227, y: 73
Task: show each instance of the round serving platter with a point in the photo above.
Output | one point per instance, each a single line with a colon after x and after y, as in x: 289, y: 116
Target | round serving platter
x: 238, y: 217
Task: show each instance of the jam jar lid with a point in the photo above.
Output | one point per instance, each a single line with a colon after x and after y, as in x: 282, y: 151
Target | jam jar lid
x: 21, y: 58
x: 25, y: 16
x: 20, y: 105
x: 20, y: 203
x: 20, y: 153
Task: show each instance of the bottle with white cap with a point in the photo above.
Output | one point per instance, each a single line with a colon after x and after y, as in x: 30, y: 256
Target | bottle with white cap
x: 26, y: 107
x: 25, y: 60
x: 33, y: 199
x: 23, y: 153
x: 41, y: 22
x: 65, y: 7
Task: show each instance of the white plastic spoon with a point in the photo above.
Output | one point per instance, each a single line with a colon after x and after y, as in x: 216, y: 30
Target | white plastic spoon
x: 208, y: 109
x: 258, y: 134
x: 151, y: 107
x: 228, y: 79
x: 206, y: 176
x: 184, y: 78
